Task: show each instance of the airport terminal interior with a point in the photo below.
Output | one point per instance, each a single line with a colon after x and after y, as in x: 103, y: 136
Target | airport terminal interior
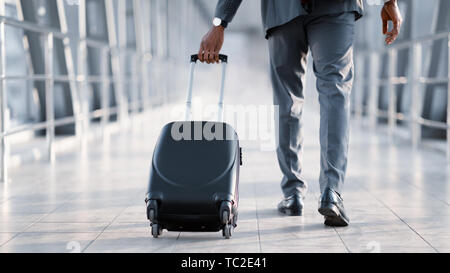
x: 87, y: 85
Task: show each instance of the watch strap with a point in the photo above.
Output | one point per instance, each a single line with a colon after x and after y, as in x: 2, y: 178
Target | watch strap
x: 224, y: 23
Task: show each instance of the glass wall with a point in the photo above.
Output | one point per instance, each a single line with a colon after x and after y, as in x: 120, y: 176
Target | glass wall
x: 393, y: 100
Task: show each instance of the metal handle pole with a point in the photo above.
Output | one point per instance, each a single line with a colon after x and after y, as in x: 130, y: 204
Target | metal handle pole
x: 222, y: 91
x: 189, y: 91
x: 194, y: 59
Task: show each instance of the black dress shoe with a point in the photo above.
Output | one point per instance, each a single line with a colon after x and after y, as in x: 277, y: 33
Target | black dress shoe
x: 292, y: 206
x: 332, y: 207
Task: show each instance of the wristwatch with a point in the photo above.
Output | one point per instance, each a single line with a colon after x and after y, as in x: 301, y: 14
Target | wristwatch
x: 219, y: 22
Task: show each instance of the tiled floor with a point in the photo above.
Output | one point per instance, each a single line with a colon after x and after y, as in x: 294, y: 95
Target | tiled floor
x: 398, y: 201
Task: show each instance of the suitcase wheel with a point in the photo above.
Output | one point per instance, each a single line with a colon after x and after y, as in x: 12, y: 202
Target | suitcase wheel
x: 156, y: 230
x: 225, y: 212
x: 152, y: 211
x: 227, y: 231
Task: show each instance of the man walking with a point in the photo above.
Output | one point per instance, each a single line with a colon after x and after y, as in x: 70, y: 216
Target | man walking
x: 293, y: 27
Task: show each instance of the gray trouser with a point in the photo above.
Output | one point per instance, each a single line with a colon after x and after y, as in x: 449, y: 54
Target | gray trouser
x: 330, y: 39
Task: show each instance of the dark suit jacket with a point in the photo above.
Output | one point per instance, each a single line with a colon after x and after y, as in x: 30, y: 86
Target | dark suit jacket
x: 278, y: 12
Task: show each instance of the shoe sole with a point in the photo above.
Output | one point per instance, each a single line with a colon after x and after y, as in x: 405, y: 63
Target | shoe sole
x: 332, y: 215
x: 290, y: 212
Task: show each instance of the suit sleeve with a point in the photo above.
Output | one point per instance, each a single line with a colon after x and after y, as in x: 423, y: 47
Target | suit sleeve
x: 226, y: 9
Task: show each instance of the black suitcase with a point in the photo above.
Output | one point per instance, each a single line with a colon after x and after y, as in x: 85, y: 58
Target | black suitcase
x: 194, y: 176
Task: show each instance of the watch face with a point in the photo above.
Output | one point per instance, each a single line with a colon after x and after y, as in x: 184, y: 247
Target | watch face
x: 217, y: 22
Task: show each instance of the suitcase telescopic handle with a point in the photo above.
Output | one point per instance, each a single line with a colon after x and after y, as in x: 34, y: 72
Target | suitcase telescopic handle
x: 194, y: 59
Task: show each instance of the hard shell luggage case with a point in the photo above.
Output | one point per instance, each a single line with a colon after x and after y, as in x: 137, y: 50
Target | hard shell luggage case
x: 194, y: 176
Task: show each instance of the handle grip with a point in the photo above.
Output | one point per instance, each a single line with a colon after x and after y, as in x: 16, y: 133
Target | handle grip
x: 222, y: 58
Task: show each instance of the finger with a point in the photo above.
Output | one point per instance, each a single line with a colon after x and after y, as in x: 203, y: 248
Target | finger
x: 388, y: 37
x: 385, y: 26
x: 393, y: 34
x: 212, y: 57
x: 205, y: 56
x: 208, y: 57
x: 388, y: 41
x: 391, y: 39
x: 396, y: 29
x: 200, y: 53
